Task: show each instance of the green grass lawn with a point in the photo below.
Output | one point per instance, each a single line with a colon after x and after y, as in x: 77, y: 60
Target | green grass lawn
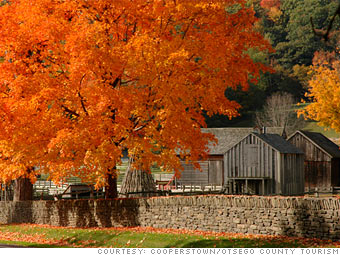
x: 45, y: 236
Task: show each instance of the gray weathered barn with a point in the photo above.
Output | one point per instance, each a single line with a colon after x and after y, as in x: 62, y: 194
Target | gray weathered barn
x: 264, y: 164
x: 213, y: 169
x: 322, y: 160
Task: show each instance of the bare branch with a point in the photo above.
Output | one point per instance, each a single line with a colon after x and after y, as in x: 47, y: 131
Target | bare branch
x: 279, y: 112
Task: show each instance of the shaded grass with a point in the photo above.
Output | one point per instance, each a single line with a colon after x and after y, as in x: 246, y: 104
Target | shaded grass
x: 29, y: 235
x: 313, y: 126
x: 20, y: 244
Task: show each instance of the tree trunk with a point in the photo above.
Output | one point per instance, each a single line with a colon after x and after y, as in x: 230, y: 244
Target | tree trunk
x: 111, y: 187
x: 23, y: 188
x: 137, y: 183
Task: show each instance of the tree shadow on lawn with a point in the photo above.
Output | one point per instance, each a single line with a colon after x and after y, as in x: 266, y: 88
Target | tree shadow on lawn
x: 236, y: 243
x: 95, y: 239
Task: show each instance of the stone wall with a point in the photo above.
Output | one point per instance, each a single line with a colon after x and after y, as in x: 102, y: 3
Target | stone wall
x: 293, y: 216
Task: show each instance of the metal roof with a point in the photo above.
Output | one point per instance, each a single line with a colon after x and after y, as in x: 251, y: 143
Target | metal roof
x: 228, y: 137
x: 279, y: 143
x: 320, y: 141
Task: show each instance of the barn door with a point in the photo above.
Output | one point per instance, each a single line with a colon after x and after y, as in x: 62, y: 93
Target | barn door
x: 317, y: 175
x: 216, y: 172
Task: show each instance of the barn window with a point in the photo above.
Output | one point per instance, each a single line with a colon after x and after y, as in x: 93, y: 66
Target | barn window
x: 251, y: 154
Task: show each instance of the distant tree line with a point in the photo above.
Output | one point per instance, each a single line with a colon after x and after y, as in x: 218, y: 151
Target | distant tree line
x: 287, y: 26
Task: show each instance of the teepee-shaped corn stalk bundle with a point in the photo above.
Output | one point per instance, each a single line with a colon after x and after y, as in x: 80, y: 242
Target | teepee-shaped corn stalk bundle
x: 137, y: 183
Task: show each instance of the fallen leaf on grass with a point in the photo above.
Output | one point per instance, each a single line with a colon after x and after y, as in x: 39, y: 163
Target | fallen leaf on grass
x: 41, y: 239
x: 261, y: 239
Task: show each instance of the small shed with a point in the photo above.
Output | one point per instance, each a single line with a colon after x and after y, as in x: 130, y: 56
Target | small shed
x: 264, y: 164
x: 322, y: 160
x: 212, y: 173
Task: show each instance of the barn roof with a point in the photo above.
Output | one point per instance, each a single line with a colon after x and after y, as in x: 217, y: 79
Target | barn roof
x: 228, y: 137
x: 321, y: 141
x: 279, y: 143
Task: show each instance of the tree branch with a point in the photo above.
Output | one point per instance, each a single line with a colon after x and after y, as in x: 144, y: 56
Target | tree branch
x: 325, y: 36
x: 70, y: 111
x: 82, y: 103
x: 81, y: 97
x: 117, y: 81
x: 187, y: 29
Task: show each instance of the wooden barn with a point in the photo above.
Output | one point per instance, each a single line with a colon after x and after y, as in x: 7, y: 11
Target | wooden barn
x: 212, y: 173
x: 264, y: 164
x: 322, y: 161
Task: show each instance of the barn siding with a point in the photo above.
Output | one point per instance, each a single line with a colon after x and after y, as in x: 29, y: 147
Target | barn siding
x: 335, y: 172
x: 312, y: 153
x: 240, y: 161
x: 292, y: 178
x: 215, y: 172
x: 278, y: 173
x: 211, y: 172
x: 193, y: 176
x: 253, y: 160
x: 271, y: 157
x: 320, y: 170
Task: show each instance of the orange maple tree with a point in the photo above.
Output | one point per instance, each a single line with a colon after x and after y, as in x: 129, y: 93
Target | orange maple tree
x: 81, y: 80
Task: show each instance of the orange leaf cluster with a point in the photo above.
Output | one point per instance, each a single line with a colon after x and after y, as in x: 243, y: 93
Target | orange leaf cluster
x: 81, y: 80
x: 324, y: 94
x: 268, y: 4
x: 41, y: 239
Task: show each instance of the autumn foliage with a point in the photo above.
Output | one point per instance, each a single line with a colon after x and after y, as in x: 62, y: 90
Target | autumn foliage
x: 268, y: 4
x: 273, y: 8
x: 324, y: 93
x: 81, y: 80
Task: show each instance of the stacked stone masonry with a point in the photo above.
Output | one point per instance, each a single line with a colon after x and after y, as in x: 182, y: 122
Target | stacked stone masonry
x: 292, y: 216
